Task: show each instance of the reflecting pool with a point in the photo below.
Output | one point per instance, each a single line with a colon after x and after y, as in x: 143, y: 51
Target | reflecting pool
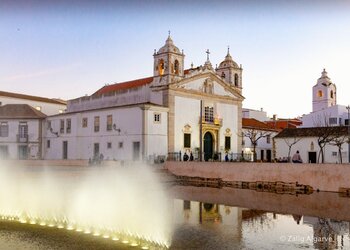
x: 202, y: 218
x: 209, y: 218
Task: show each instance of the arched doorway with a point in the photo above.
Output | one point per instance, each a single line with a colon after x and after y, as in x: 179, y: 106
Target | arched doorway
x: 208, y: 146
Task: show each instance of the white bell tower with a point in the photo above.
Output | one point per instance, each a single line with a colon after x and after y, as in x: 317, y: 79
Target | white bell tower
x: 324, y: 93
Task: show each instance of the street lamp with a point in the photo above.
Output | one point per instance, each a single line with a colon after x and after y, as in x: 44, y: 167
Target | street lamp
x: 348, y: 108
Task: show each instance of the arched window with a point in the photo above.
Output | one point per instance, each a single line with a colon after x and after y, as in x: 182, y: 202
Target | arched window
x: 176, y: 67
x: 236, y: 80
x: 312, y: 147
x: 319, y: 93
x: 161, y: 67
x: 332, y: 94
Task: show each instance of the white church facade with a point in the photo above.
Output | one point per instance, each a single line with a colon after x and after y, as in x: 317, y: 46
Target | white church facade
x: 175, y: 110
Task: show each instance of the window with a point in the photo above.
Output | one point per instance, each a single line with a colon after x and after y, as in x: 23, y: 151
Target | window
x: 97, y: 123
x: 227, y: 142
x: 187, y: 205
x: 48, y: 125
x: 161, y: 67
x: 4, y: 129
x: 346, y: 122
x: 268, y: 139
x: 61, y: 126
x: 48, y: 143
x: 223, y: 75
x: 120, y: 144
x: 23, y: 132
x: 84, y: 122
x: 69, y: 125
x: 236, y: 80
x: 156, y: 118
x: 187, y: 140
x: 319, y: 93
x: 176, y: 67
x: 109, y: 145
x: 109, y: 122
x: 209, y: 114
x: 333, y: 120
x: 332, y: 94
x: 334, y: 153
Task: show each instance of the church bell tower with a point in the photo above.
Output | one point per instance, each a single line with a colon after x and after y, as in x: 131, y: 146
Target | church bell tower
x: 168, y: 63
x: 324, y: 93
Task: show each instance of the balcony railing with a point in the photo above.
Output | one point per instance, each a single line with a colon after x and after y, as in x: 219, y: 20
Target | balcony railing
x: 214, y: 121
x: 22, y: 138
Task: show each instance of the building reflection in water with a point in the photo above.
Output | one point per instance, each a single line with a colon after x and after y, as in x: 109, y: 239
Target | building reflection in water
x: 328, y: 233
x: 229, y: 224
x: 209, y: 215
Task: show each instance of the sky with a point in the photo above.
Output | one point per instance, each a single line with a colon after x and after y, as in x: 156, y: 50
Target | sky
x: 67, y: 49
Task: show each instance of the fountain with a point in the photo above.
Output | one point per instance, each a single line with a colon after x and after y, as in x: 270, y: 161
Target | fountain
x: 121, y: 204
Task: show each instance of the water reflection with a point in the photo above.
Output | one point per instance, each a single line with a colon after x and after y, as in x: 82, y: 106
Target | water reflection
x: 204, y: 224
x: 227, y: 218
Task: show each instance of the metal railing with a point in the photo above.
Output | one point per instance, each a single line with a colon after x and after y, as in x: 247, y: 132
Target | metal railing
x: 22, y: 138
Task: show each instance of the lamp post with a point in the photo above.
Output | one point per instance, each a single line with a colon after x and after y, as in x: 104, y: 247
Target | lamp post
x: 348, y: 108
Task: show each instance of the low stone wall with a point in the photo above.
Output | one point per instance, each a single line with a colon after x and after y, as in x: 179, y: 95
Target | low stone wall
x: 323, y: 177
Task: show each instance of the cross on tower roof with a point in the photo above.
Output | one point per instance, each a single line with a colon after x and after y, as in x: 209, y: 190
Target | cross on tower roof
x: 208, y: 52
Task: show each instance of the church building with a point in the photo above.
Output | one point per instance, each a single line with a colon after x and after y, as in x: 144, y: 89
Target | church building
x: 196, y: 110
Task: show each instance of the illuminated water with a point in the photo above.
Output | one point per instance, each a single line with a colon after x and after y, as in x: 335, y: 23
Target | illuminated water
x: 101, y: 202
x: 200, y: 218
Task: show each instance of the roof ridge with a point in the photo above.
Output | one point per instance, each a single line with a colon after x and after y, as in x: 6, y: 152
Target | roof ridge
x: 30, y: 97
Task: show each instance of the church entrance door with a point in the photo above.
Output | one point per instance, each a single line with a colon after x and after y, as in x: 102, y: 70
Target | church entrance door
x: 208, y: 146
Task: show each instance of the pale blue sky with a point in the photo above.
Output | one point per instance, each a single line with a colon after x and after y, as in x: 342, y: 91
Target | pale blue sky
x: 73, y: 48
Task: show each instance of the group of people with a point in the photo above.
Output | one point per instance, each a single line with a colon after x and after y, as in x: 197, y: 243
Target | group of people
x: 295, y: 159
x: 188, y: 158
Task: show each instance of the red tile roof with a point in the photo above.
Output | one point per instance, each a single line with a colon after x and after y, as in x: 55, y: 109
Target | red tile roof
x: 284, y: 123
x: 33, y: 98
x: 251, y: 123
x: 124, y: 85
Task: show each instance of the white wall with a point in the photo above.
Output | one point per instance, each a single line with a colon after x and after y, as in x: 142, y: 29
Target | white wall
x: 317, y: 119
x: 229, y: 113
x: 157, y: 133
x: 12, y: 143
x: 304, y: 146
x: 127, y: 130
x: 259, y: 115
x: 262, y: 145
x: 187, y: 111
